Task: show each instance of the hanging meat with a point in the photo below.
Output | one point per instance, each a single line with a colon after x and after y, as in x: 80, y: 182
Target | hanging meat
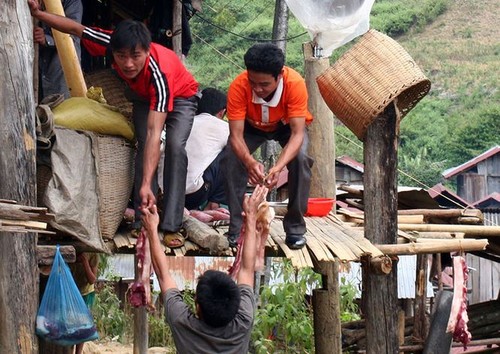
x: 139, y: 292
x: 457, y: 323
x: 265, y: 214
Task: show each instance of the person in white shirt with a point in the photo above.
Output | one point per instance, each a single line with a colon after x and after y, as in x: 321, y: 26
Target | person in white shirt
x: 205, y: 149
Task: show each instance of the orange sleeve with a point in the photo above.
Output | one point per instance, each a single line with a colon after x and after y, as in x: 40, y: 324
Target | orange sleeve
x: 237, y: 99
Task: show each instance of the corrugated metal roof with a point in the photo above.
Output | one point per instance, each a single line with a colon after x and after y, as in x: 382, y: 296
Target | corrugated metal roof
x: 492, y: 218
x: 491, y: 200
x: 440, y: 190
x: 184, y: 270
x: 349, y: 161
x: 466, y: 165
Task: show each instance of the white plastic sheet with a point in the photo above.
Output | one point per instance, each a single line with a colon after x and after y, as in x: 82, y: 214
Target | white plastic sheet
x: 332, y: 23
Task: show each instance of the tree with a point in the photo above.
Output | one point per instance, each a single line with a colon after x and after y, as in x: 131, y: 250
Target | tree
x: 18, y: 265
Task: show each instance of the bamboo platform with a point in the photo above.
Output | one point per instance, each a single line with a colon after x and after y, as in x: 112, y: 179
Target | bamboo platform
x: 328, y: 239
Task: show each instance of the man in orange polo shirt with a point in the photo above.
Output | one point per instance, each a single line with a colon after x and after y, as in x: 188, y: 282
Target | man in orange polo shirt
x: 268, y: 101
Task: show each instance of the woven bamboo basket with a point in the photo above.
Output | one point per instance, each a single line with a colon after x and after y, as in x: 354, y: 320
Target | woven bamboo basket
x: 113, y: 89
x: 367, y: 78
x: 115, y: 177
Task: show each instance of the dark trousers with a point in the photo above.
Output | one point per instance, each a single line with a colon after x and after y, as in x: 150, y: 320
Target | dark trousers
x: 299, y: 179
x: 178, y: 127
x: 212, y: 189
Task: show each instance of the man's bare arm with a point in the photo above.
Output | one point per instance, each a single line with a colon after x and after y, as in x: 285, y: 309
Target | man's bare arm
x: 150, y: 220
x: 156, y: 121
x: 250, y: 207
x: 60, y: 23
x: 254, y: 168
x: 291, y: 149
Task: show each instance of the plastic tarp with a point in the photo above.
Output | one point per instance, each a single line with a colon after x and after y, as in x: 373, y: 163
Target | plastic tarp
x: 332, y: 23
x: 72, y: 192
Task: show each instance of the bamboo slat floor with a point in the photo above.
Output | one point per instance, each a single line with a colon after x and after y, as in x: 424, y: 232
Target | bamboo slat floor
x: 328, y: 239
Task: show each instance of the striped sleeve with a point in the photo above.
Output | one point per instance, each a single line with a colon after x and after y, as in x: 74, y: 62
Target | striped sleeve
x: 159, y: 88
x: 96, y: 40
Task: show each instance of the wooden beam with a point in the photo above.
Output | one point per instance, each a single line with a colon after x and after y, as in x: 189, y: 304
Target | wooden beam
x: 441, y: 246
x: 177, y: 28
x: 19, y: 272
x: 327, y: 326
x: 141, y: 327
x: 45, y: 254
x: 205, y: 236
x: 469, y: 230
x: 321, y: 132
x: 380, y: 201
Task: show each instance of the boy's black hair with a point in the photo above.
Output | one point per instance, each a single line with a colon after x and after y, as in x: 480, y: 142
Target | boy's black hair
x: 265, y: 58
x: 212, y: 101
x: 130, y: 34
x: 218, y: 297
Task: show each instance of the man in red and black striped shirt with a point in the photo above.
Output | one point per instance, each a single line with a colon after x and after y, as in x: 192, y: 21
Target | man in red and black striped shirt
x: 159, y: 86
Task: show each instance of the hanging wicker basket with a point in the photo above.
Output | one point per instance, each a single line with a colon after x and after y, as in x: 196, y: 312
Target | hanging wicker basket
x: 367, y: 78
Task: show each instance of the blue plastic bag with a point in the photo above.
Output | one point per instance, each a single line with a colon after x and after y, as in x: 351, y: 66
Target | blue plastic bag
x: 63, y: 317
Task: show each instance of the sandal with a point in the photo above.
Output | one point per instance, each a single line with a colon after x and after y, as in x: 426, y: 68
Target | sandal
x: 174, y: 239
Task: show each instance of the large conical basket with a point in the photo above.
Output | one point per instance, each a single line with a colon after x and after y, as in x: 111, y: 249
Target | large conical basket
x: 368, y: 77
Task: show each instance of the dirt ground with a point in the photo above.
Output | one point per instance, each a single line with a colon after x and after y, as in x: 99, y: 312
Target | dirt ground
x: 110, y: 347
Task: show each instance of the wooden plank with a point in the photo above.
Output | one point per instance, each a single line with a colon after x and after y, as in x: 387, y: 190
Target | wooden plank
x: 320, y: 252
x: 20, y: 223
x: 486, y: 285
x: 337, y: 248
x: 45, y: 254
x: 328, y: 232
x: 280, y: 240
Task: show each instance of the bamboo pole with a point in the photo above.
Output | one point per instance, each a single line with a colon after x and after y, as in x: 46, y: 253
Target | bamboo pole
x: 67, y: 54
x: 469, y: 230
x: 434, y: 247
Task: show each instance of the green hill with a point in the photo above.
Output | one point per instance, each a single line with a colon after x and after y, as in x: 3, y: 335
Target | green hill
x: 454, y: 42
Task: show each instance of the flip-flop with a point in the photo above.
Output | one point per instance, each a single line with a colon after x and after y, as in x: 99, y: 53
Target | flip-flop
x: 174, y: 240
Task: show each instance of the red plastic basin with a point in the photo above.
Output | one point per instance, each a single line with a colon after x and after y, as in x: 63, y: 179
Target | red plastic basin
x: 319, y: 206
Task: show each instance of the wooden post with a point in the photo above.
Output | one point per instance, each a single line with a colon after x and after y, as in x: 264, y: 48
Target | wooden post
x: 380, y: 195
x: 141, y: 329
x: 327, y: 330
x: 421, y: 323
x: 326, y: 304
x: 321, y: 133
x: 67, y: 54
x: 270, y: 150
x: 18, y: 264
x: 177, y: 27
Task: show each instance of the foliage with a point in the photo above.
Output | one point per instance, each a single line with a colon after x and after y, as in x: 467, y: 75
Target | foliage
x: 349, y: 310
x: 397, y: 17
x: 283, y: 322
x: 159, y: 333
x: 114, y: 322
x: 477, y: 136
x: 111, y: 321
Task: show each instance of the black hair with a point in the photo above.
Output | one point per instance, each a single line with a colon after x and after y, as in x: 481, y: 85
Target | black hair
x: 265, y: 58
x: 130, y: 34
x: 212, y: 101
x: 218, y: 297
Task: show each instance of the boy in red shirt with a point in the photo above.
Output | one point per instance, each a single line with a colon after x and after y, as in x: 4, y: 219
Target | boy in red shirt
x: 159, y: 85
x: 268, y: 101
